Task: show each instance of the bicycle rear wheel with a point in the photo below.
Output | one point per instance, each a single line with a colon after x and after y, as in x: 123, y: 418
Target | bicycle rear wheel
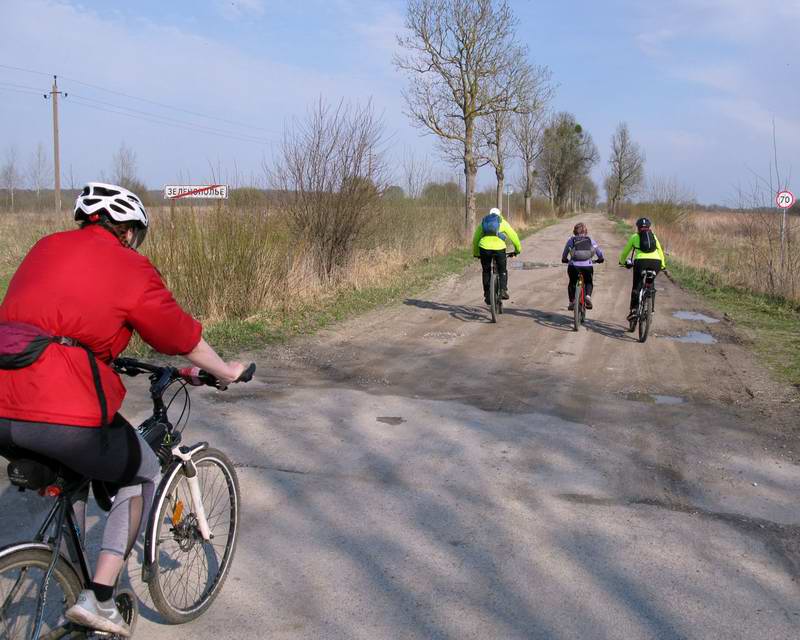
x: 576, y: 306
x: 21, y: 575
x: 493, y: 295
x: 647, y: 314
x: 189, y: 572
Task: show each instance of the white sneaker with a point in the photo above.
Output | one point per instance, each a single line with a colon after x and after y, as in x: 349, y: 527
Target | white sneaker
x: 102, y: 616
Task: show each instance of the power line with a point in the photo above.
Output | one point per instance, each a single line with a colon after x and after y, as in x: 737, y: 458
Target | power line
x: 147, y: 100
x: 21, y: 86
x: 168, y: 119
x: 39, y: 73
x: 25, y: 91
x: 146, y: 116
x: 167, y: 106
x: 196, y: 129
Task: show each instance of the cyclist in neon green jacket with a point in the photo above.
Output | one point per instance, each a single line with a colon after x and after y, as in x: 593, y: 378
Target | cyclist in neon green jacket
x: 648, y: 254
x: 489, y: 244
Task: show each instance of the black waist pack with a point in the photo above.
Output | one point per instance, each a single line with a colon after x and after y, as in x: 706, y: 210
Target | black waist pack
x: 22, y: 344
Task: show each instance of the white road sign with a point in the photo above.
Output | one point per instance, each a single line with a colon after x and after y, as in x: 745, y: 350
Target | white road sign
x: 785, y: 199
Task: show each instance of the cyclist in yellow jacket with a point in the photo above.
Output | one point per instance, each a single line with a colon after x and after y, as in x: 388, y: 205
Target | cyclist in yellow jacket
x: 647, y: 254
x: 489, y: 243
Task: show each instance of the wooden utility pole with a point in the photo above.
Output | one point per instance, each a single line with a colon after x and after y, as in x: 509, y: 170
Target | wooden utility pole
x: 54, y: 93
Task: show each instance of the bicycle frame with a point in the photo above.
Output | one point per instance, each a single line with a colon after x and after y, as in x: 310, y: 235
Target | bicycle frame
x: 63, y: 515
x: 648, y: 289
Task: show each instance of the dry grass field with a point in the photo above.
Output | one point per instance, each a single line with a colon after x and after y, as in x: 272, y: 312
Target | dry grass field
x: 741, y: 249
x: 233, y: 263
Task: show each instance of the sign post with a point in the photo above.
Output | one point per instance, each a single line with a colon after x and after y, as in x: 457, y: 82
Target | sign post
x: 785, y: 200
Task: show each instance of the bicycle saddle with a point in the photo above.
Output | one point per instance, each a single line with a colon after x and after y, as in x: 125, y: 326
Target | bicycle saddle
x: 29, y: 470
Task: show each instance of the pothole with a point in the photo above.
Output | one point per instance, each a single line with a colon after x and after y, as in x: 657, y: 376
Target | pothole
x: 527, y: 266
x: 393, y: 420
x: 694, y: 337
x: 442, y: 335
x: 694, y: 315
x: 653, y: 398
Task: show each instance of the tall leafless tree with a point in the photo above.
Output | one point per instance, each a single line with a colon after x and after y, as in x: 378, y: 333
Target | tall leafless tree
x: 626, y: 168
x: 568, y: 154
x: 10, y: 177
x: 39, y: 172
x: 330, y: 172
x: 463, y: 63
x: 495, y: 135
x: 416, y: 173
x: 526, y: 129
x: 123, y: 166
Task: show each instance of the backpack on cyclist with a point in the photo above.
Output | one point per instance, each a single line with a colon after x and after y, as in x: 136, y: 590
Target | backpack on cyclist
x: 647, y: 241
x: 22, y: 344
x: 582, y: 248
x: 491, y: 226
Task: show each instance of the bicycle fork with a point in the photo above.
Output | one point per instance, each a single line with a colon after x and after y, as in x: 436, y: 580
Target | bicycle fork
x: 190, y: 471
x: 182, y: 463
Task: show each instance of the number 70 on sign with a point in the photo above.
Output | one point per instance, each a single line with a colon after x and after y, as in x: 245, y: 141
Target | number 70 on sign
x: 785, y: 199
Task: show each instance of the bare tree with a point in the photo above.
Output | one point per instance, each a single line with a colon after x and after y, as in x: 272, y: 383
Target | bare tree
x: 626, y: 168
x: 670, y: 202
x: 568, y: 154
x: 495, y: 134
x: 40, y: 172
x: 416, y: 173
x: 10, y: 178
x: 526, y: 129
x: 331, y: 173
x: 463, y: 63
x: 123, y: 166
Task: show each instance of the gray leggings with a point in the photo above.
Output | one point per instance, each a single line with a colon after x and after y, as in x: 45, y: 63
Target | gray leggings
x: 119, y: 456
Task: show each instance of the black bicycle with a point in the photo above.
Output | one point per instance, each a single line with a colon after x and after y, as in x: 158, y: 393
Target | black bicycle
x: 579, y: 305
x: 495, y: 294
x: 190, y: 537
x: 646, y: 306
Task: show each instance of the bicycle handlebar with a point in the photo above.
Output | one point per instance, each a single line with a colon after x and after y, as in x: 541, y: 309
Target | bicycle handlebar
x: 192, y: 375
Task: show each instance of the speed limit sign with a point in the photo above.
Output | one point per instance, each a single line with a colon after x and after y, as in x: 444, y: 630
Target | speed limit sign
x: 785, y: 199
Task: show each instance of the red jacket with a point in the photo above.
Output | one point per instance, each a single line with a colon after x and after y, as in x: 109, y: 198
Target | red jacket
x: 84, y: 284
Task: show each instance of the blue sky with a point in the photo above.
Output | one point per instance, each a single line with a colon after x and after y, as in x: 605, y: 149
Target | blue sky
x: 698, y: 81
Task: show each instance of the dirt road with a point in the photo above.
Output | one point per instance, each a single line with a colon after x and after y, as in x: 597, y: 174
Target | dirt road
x: 421, y: 473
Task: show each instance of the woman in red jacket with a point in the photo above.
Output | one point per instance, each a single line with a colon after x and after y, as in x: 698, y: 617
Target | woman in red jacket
x: 92, y: 286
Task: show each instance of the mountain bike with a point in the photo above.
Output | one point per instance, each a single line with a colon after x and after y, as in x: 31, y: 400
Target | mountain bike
x: 190, y: 537
x: 495, y: 294
x: 579, y: 306
x: 643, y: 315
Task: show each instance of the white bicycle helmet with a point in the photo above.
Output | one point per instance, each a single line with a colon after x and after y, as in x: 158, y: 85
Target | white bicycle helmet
x: 495, y: 210
x: 117, y: 203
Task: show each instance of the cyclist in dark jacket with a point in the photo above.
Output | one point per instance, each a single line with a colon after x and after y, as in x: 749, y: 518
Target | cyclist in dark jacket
x: 578, y: 254
x: 92, y: 286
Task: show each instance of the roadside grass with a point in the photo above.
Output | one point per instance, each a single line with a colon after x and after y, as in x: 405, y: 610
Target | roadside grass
x: 231, y: 336
x: 773, y: 324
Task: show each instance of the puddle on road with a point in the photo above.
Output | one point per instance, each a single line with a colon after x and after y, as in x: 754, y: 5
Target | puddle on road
x: 393, y: 420
x: 693, y: 315
x: 442, y: 335
x: 654, y: 398
x: 694, y: 337
x: 661, y: 399
x: 527, y: 266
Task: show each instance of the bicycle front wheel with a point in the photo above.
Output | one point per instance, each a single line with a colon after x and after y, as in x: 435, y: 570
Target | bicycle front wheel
x: 21, y: 575
x: 189, y: 572
x: 494, y: 295
x: 647, y: 315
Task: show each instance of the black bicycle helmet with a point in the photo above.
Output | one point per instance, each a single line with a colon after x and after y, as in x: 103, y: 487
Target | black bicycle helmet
x: 643, y: 223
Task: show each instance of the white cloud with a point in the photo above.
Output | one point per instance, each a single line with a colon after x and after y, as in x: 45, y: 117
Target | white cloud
x: 169, y: 64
